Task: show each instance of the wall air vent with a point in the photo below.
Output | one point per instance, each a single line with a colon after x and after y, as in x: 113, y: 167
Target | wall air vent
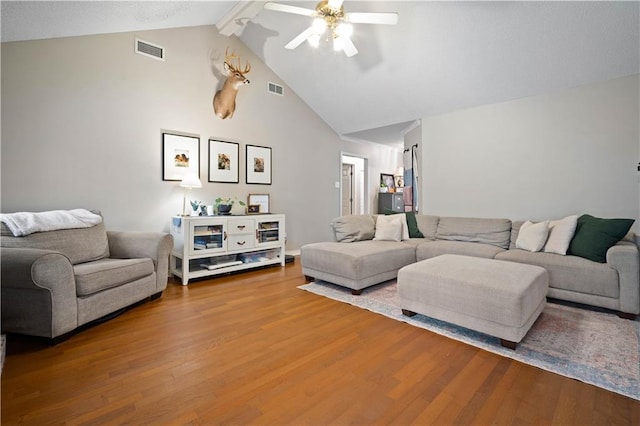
x: 149, y: 49
x: 276, y: 89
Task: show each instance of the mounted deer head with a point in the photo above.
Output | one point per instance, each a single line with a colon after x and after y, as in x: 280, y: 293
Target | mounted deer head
x: 224, y: 102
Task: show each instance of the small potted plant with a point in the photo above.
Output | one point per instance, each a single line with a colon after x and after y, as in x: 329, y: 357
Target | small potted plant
x: 224, y: 205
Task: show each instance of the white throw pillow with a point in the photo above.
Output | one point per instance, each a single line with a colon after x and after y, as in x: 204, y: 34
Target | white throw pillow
x: 532, y: 236
x: 389, y: 228
x: 560, y: 234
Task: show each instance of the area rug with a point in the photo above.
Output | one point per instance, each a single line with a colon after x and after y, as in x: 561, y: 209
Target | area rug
x: 594, y: 347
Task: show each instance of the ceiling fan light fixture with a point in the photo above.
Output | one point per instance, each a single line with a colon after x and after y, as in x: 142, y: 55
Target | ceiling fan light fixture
x: 319, y: 26
x: 330, y: 14
x: 314, y: 40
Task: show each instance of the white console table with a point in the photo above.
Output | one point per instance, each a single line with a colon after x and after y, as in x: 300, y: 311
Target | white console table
x: 213, y: 245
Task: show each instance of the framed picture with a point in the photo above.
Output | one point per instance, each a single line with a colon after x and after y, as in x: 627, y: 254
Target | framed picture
x: 180, y: 156
x: 258, y: 165
x: 253, y: 208
x: 398, y: 181
x: 223, y: 161
x: 387, y: 180
x: 260, y: 200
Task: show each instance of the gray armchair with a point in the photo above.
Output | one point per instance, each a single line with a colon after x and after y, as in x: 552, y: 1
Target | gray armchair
x: 53, y: 282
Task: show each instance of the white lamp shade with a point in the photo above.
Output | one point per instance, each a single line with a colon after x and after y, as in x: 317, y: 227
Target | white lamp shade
x: 191, y: 181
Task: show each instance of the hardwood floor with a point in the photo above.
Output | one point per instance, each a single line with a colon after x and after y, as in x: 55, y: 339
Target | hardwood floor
x: 253, y: 349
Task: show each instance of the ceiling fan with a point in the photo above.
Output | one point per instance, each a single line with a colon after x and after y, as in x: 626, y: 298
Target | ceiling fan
x: 330, y: 15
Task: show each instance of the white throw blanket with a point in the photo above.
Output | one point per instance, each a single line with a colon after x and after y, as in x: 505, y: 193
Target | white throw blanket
x: 25, y: 223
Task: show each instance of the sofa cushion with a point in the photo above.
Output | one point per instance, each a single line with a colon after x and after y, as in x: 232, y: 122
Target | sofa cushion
x: 428, y: 225
x: 570, y: 273
x: 79, y: 245
x: 430, y: 249
x: 356, y: 227
x: 92, y: 277
x: 496, y: 232
x: 389, y: 228
x: 357, y: 261
x: 412, y: 224
x: 533, y: 236
x: 594, y: 236
x: 560, y: 235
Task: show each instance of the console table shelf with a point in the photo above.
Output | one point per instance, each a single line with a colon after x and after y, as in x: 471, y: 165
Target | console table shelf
x: 212, y: 245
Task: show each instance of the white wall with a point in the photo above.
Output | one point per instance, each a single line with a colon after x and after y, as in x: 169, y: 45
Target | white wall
x: 82, y: 119
x: 542, y: 157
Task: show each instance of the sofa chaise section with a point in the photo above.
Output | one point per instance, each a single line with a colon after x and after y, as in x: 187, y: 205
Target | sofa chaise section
x: 355, y: 266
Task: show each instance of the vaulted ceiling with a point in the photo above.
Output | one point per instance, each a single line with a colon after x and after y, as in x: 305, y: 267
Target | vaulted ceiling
x: 440, y: 57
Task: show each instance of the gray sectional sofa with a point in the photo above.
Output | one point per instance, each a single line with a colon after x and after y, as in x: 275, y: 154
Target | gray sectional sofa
x: 356, y: 261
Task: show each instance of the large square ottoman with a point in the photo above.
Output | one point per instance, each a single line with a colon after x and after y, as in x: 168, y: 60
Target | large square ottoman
x: 499, y: 298
x: 355, y: 265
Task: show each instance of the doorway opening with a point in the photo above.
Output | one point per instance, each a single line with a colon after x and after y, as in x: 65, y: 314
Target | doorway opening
x: 352, y: 193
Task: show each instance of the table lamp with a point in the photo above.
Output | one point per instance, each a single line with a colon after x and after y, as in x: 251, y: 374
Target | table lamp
x: 189, y: 181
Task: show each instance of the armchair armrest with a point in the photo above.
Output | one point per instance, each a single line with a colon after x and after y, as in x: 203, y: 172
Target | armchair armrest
x: 624, y: 258
x: 38, y: 292
x: 154, y: 245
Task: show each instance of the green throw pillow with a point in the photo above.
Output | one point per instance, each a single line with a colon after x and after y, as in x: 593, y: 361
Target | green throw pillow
x: 412, y: 223
x: 594, y: 236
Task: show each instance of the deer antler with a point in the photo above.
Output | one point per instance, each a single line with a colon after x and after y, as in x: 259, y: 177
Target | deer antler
x: 229, y: 57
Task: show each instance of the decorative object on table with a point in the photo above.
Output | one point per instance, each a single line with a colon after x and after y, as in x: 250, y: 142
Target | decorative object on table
x: 330, y: 15
x: 258, y: 164
x: 189, y: 182
x: 224, y: 101
x: 180, y: 156
x: 195, y: 207
x: 223, y: 161
x: 388, y: 182
x: 224, y: 205
x: 253, y: 209
x: 260, y: 200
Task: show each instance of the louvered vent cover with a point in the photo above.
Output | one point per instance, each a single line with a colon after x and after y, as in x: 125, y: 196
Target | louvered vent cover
x: 148, y: 49
x: 275, y: 89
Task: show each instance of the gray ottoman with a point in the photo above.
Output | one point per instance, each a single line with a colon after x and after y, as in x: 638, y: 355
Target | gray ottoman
x: 495, y: 297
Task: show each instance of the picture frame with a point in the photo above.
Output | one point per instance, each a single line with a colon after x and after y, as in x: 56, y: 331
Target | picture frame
x: 224, y: 161
x: 398, y: 181
x: 180, y: 156
x: 253, y: 208
x: 260, y: 200
x: 258, y: 165
x: 388, y: 180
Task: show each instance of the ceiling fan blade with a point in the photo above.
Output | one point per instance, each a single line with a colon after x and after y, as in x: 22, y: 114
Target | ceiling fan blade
x: 388, y: 18
x: 349, y: 47
x: 300, y: 38
x: 336, y: 4
x: 289, y: 9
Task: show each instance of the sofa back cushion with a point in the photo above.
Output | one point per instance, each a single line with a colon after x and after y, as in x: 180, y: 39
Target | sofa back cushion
x: 496, y: 232
x: 79, y: 245
x: 428, y: 225
x: 354, y: 227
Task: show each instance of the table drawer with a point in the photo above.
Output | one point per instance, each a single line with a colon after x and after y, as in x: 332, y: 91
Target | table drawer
x: 238, y: 242
x: 241, y: 226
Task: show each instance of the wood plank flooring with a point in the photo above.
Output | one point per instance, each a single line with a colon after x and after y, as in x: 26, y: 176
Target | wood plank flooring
x: 251, y: 348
